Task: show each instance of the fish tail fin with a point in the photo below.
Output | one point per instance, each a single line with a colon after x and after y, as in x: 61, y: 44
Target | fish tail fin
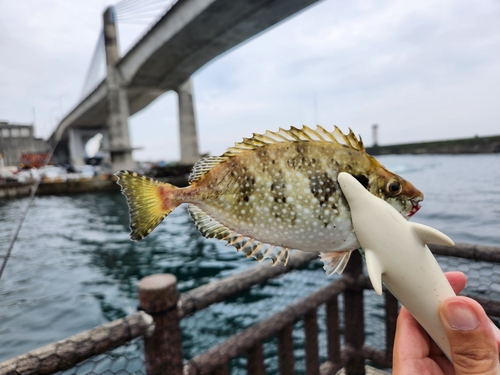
x: 149, y: 201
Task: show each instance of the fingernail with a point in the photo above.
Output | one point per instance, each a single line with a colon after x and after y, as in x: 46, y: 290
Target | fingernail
x: 461, y: 316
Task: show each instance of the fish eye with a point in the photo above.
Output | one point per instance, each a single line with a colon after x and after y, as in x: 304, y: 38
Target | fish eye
x: 394, y: 187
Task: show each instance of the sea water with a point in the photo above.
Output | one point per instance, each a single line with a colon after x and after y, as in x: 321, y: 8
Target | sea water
x: 74, y: 266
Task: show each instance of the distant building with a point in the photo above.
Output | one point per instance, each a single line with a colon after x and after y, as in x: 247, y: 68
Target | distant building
x: 18, y: 139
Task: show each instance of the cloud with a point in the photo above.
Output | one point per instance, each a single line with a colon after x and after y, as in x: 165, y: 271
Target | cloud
x: 422, y: 70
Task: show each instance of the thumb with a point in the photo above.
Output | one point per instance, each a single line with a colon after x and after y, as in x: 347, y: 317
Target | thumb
x: 472, y: 342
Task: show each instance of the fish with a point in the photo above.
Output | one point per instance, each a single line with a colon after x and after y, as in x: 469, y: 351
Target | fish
x: 272, y: 193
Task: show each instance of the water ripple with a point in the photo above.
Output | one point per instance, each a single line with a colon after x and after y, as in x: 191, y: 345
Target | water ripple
x: 74, y: 266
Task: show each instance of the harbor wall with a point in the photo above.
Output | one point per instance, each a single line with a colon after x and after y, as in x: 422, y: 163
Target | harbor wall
x: 89, y: 185
x: 15, y: 190
x: 57, y: 187
x: 476, y: 145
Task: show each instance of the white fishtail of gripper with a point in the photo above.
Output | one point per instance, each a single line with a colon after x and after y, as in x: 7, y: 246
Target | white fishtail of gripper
x: 397, y: 255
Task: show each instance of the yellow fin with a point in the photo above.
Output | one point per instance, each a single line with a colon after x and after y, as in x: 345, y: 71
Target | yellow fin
x: 149, y: 201
x: 211, y: 228
x: 335, y: 262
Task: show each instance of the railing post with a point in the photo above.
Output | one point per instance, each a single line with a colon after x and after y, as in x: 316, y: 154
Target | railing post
x: 332, y: 330
x: 221, y: 370
x: 311, y: 343
x: 391, y: 316
x: 255, y: 360
x: 163, y: 349
x: 286, y: 359
x: 354, y: 317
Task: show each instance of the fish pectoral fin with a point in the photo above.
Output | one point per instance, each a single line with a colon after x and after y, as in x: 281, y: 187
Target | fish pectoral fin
x: 375, y: 270
x: 431, y: 235
x: 335, y: 262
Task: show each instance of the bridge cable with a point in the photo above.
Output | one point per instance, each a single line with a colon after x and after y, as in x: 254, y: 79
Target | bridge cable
x: 138, y: 5
x: 142, y: 10
x: 92, y: 77
x: 124, y: 3
x: 156, y: 9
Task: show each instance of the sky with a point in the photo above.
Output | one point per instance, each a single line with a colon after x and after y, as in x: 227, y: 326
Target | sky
x: 422, y: 70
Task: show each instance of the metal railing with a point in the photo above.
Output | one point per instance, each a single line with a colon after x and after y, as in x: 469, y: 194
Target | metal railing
x: 163, y: 309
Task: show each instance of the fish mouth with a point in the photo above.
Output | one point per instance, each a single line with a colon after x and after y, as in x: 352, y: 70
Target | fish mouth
x: 415, y: 206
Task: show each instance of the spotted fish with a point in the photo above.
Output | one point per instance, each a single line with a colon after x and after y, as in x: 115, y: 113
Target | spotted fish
x: 272, y: 193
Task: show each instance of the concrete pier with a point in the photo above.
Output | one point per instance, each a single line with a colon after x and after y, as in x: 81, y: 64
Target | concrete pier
x: 78, y: 138
x: 187, y: 125
x: 476, y: 145
x: 117, y: 101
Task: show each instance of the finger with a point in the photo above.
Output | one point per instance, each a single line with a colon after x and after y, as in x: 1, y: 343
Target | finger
x: 457, y: 280
x: 411, y: 348
x: 473, y: 345
x: 496, y: 333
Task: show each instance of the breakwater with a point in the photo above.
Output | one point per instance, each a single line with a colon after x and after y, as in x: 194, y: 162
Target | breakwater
x: 59, y: 186
x: 476, y: 145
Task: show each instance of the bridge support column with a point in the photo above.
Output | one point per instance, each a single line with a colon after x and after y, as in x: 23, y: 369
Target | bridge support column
x: 76, y: 148
x: 117, y: 101
x: 187, y: 125
x: 78, y: 138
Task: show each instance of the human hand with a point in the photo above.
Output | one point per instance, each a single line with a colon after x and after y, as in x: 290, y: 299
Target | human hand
x: 474, y: 340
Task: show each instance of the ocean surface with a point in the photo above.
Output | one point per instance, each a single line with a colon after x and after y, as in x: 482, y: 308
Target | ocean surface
x: 74, y: 266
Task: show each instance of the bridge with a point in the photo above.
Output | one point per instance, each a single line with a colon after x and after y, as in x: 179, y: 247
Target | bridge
x: 189, y: 35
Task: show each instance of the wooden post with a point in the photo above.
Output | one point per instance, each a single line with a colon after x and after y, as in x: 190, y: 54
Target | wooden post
x: 255, y: 360
x: 311, y: 344
x: 163, y: 349
x: 332, y: 330
x: 285, y: 350
x: 221, y: 370
x: 391, y: 316
x: 354, y: 318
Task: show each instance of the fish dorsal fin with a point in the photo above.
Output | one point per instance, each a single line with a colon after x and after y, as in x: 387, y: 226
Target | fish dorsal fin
x: 211, y: 228
x: 306, y: 134
x: 203, y: 166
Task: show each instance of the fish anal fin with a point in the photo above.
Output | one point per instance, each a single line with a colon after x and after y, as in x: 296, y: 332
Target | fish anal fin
x: 211, y: 228
x: 431, y: 235
x: 335, y: 262
x: 149, y: 201
x: 375, y: 270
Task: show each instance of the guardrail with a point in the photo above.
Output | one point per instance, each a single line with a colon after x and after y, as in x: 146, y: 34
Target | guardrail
x: 163, y: 309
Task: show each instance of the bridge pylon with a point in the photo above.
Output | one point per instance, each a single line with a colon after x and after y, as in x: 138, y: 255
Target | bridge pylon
x: 120, y: 151
x: 187, y: 125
